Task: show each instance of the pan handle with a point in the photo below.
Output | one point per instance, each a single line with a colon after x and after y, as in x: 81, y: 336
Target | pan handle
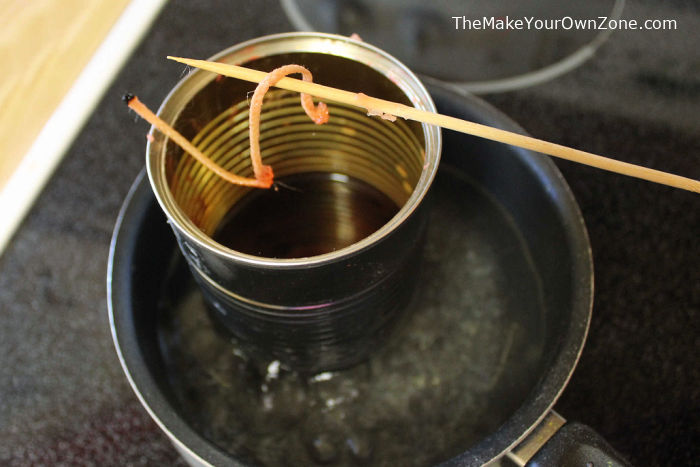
x: 554, y: 442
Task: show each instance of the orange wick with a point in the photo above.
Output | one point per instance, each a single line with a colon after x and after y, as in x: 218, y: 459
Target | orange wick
x: 137, y: 106
x: 318, y: 114
x: 263, y: 173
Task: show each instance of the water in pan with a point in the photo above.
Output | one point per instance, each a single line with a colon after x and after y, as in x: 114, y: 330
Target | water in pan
x: 464, y: 360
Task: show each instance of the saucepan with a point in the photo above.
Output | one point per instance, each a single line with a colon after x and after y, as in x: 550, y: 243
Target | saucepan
x: 493, y: 330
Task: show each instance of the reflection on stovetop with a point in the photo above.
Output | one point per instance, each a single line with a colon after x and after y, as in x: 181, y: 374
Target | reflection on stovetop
x: 647, y: 76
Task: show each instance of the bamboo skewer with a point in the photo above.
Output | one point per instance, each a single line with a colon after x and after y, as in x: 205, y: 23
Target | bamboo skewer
x: 452, y: 123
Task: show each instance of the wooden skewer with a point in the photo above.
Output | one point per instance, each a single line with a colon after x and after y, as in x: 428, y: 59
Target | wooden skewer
x: 452, y: 123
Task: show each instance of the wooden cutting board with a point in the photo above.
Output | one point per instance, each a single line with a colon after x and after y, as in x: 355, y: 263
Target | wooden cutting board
x: 44, y: 44
x: 58, y: 57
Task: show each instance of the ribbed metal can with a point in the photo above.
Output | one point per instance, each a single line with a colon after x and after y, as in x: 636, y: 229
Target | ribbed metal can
x: 300, y: 274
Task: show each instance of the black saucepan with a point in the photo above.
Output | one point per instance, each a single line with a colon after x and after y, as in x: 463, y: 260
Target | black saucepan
x: 507, y: 260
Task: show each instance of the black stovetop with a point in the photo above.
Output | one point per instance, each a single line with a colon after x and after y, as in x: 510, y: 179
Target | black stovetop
x: 64, y: 398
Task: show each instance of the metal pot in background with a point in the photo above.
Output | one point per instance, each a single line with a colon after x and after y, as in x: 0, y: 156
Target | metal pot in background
x: 457, y: 44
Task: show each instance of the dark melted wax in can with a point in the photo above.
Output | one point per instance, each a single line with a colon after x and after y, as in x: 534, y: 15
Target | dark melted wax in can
x: 305, y: 215
x: 465, y: 359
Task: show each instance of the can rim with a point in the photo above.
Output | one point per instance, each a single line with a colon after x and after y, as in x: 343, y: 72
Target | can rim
x: 332, y: 44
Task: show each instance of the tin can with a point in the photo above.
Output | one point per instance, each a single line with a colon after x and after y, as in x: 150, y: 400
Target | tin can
x: 317, y: 283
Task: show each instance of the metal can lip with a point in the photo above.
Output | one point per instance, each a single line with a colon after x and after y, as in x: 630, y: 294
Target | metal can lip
x: 332, y: 44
